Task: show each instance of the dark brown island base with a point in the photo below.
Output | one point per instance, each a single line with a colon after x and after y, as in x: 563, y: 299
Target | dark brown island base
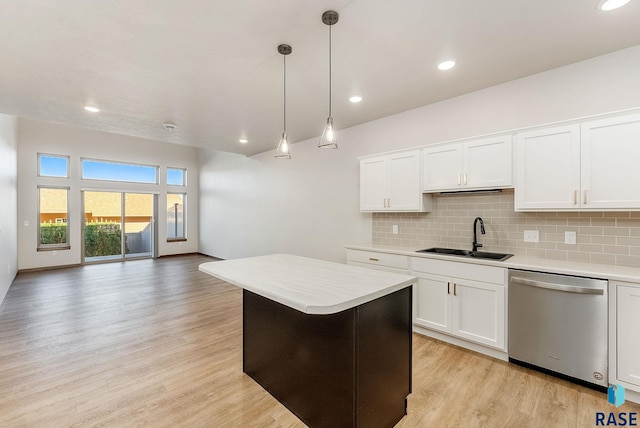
x: 331, y: 342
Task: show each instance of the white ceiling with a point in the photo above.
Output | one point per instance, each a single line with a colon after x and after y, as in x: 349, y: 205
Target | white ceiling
x: 212, y: 66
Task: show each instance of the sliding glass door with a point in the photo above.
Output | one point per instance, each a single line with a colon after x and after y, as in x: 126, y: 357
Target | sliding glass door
x: 118, y: 225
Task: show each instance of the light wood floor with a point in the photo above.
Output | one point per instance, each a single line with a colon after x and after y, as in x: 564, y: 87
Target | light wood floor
x: 157, y: 343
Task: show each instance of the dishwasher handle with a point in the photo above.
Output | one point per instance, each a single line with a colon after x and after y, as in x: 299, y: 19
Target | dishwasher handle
x: 558, y: 287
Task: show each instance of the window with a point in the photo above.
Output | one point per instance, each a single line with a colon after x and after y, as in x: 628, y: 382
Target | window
x: 114, y: 171
x: 53, y: 209
x: 53, y: 165
x: 176, y: 176
x: 176, y: 216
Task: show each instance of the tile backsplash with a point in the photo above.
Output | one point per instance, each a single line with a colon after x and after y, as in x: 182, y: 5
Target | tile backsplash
x: 602, y: 237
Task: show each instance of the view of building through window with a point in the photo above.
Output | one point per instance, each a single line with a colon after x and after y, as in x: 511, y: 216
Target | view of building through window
x: 117, y: 225
x: 53, y: 209
x: 175, y: 216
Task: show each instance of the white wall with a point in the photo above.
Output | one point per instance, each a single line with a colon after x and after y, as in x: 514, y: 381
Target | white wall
x: 39, y: 137
x: 309, y: 205
x: 8, y: 202
x: 259, y: 205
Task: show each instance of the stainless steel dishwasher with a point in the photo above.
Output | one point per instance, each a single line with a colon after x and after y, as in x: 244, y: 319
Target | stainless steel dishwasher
x: 559, y: 323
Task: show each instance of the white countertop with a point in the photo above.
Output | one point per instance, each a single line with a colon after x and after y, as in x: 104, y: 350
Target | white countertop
x: 308, y: 285
x: 593, y: 270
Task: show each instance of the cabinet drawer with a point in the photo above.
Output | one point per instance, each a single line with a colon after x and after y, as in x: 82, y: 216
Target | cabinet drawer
x: 382, y: 259
x: 494, y: 275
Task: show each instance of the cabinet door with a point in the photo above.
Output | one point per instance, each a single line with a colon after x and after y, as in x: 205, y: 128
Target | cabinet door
x: 610, y: 151
x: 548, y: 169
x: 478, y: 312
x: 628, y: 314
x: 488, y: 163
x: 432, y: 305
x: 373, y: 184
x: 404, y: 181
x: 442, y: 167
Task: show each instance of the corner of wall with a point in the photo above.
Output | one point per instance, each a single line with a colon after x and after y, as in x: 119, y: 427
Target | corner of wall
x: 9, y: 206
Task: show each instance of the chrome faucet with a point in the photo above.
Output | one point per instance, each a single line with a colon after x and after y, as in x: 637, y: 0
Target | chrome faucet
x: 475, y: 236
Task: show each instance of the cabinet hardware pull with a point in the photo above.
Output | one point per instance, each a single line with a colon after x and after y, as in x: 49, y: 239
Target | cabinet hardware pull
x: 465, y: 178
x: 575, y: 197
x: 385, y: 202
x: 585, y: 197
x: 374, y: 260
x: 459, y: 179
x: 388, y: 202
x: 455, y: 291
x: 448, y: 288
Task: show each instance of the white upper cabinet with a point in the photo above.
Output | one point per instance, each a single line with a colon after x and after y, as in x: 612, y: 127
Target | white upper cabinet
x: 392, y: 183
x: 548, y: 168
x: 586, y: 166
x: 479, y: 164
x: 610, y: 156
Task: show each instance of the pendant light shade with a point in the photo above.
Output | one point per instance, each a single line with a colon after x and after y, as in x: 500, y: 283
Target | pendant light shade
x: 282, y: 152
x: 328, y: 139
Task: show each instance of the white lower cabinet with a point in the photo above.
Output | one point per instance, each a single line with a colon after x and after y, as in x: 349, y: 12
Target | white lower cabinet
x: 628, y: 333
x: 461, y: 299
x: 379, y: 261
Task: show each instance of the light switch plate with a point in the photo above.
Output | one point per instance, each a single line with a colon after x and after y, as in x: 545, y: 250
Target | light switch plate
x: 531, y: 236
x: 570, y: 238
x: 395, y: 229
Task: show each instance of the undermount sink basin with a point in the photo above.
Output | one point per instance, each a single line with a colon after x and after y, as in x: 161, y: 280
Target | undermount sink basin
x: 467, y: 253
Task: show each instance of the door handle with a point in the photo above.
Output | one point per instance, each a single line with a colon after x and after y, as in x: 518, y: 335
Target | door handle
x: 448, y: 288
x: 465, y: 179
x: 575, y: 197
x: 459, y: 179
x: 585, y: 197
x: 455, y: 291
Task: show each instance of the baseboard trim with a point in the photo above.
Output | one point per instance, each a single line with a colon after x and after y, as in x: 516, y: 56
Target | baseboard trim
x: 44, y: 268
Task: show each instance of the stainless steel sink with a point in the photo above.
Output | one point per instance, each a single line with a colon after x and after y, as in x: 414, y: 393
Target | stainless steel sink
x: 467, y: 253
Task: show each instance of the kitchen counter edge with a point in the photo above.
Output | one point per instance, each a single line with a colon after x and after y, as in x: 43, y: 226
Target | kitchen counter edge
x: 565, y: 267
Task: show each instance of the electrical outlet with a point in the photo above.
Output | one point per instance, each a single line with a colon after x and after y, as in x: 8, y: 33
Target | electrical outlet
x: 570, y: 238
x: 26, y: 223
x: 394, y: 229
x: 531, y: 236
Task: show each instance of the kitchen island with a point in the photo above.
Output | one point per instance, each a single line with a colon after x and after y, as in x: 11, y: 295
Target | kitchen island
x: 329, y: 341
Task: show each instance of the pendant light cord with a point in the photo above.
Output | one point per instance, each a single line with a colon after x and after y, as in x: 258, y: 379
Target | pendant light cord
x: 284, y: 116
x: 330, y: 70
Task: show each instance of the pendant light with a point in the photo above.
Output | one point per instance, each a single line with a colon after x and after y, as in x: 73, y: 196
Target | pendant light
x: 328, y: 139
x: 282, y: 152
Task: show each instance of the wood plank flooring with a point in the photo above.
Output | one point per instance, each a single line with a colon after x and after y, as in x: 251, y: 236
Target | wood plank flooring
x: 158, y: 343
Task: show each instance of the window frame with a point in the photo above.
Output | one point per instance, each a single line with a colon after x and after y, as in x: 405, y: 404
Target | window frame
x: 155, y: 167
x: 184, y: 176
x: 184, y: 218
x: 53, y: 247
x: 50, y: 155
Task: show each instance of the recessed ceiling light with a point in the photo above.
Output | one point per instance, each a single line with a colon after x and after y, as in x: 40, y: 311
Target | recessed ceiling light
x: 355, y: 99
x: 608, y: 5
x: 447, y: 64
x: 92, y: 109
x: 243, y: 140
